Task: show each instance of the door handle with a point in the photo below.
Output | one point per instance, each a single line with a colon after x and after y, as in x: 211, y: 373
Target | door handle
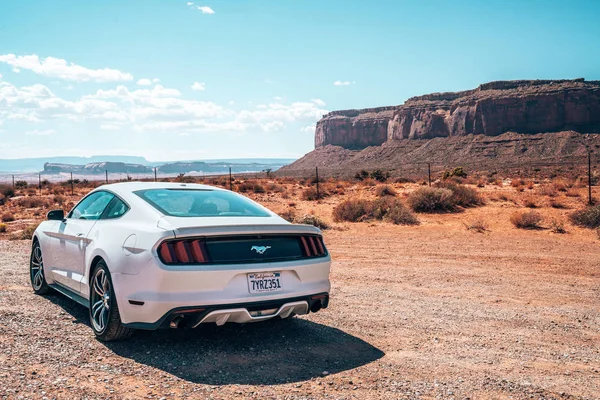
x: 79, y: 234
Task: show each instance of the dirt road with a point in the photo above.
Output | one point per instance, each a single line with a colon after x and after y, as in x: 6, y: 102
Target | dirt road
x: 433, y: 311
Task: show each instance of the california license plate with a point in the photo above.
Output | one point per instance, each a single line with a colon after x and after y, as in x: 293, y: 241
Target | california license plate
x: 262, y: 282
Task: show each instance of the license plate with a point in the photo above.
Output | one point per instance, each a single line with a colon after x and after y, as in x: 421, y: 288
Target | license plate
x: 262, y: 282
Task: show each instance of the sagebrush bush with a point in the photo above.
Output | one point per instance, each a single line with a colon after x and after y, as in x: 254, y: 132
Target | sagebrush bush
x: 557, y: 226
x: 7, y: 191
x: 352, y: 210
x: 463, y: 196
x: 25, y: 234
x: 8, y: 217
x: 3, y: 228
x: 385, y: 208
x: 310, y: 194
x: 588, y: 217
x: 32, y: 202
x: 310, y: 219
x: 477, y: 225
x: 527, y: 219
x: 289, y: 214
x: 384, y: 190
x: 432, y: 199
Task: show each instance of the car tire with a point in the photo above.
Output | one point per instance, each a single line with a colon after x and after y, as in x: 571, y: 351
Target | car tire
x: 104, y: 311
x: 36, y: 270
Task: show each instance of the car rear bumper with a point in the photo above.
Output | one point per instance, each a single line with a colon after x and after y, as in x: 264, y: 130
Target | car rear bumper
x: 147, y: 300
x: 192, y: 316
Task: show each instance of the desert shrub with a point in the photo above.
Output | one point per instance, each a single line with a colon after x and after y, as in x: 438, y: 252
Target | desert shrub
x: 245, y: 187
x: 530, y: 202
x: 361, y: 175
x: 7, y: 191
x: 477, y: 225
x: 59, y: 200
x: 352, y: 210
x: 588, y: 217
x: 289, y: 215
x: 20, y: 184
x: 380, y: 176
x: 31, y: 202
x: 3, y: 228
x: 309, y: 219
x: 399, y: 214
x: 458, y: 171
x: 526, y: 219
x: 404, y: 180
x: 572, y: 193
x: 557, y: 227
x: 432, y: 199
x: 530, y: 185
x: 258, y: 188
x: 384, y: 190
x: 517, y: 182
x: 554, y: 203
x: 561, y: 185
x: 547, y: 190
x: 310, y: 194
x: 463, y: 196
x: 385, y: 208
x: 8, y: 217
x: 25, y: 234
x: 274, y: 187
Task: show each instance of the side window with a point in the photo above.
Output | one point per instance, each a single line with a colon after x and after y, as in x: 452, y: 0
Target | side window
x: 115, y: 209
x: 92, y: 206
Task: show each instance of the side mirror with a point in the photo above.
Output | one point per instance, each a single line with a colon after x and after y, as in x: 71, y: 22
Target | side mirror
x: 56, y: 215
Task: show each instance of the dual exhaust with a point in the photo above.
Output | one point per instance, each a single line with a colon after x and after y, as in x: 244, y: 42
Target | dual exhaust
x: 242, y: 315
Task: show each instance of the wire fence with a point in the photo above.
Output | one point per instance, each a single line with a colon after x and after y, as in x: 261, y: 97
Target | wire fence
x: 426, y: 172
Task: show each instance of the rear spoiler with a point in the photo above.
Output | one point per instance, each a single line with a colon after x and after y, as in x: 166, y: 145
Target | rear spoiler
x: 246, y: 230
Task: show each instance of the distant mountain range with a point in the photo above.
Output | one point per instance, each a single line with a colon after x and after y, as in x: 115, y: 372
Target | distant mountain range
x: 126, y: 164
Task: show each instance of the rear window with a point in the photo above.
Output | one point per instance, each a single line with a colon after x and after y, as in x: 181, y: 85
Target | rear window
x: 200, y: 203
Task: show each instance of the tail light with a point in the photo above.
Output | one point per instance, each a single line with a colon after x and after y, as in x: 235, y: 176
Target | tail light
x: 312, y: 246
x: 183, y: 252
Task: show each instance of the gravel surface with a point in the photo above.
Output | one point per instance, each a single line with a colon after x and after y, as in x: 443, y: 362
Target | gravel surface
x: 416, y: 312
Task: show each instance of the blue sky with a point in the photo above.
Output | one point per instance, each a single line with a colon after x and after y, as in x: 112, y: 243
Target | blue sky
x: 170, y: 80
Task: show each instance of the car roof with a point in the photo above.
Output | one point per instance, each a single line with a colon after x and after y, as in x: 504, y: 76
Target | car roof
x: 125, y: 188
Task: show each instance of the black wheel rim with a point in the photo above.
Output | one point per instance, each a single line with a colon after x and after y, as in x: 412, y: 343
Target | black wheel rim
x: 100, y: 300
x: 37, y: 268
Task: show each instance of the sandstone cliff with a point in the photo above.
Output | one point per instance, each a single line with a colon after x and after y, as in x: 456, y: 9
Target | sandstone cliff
x: 528, y: 106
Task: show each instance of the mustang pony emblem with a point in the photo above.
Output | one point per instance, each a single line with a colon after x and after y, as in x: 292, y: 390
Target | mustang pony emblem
x: 260, y: 249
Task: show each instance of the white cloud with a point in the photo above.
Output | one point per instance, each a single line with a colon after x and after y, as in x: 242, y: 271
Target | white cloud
x: 199, y: 86
x: 231, y: 102
x: 278, y: 98
x: 308, y: 129
x: 343, y: 83
x: 189, y: 3
x: 273, y: 126
x: 144, y: 82
x: 155, y: 80
x: 59, y: 68
x: 206, y: 10
x: 319, y: 102
x: 0, y: 76
x: 110, y: 127
x: 45, y: 132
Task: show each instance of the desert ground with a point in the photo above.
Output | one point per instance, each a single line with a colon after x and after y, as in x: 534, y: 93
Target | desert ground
x: 462, y: 305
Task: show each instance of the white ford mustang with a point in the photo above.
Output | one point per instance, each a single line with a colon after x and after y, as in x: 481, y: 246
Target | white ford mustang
x: 145, y: 255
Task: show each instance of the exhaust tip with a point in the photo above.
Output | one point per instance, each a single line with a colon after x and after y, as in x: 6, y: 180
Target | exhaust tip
x: 176, y: 322
x: 316, y: 306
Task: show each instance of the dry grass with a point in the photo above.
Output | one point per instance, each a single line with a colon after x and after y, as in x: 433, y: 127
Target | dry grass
x: 385, y: 190
x: 588, y: 217
x: 527, y: 219
x: 432, y: 200
x: 557, y: 226
x: 477, y: 225
x: 386, y: 208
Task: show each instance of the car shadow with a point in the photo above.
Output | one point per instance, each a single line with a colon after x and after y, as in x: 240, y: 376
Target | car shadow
x: 272, y: 352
